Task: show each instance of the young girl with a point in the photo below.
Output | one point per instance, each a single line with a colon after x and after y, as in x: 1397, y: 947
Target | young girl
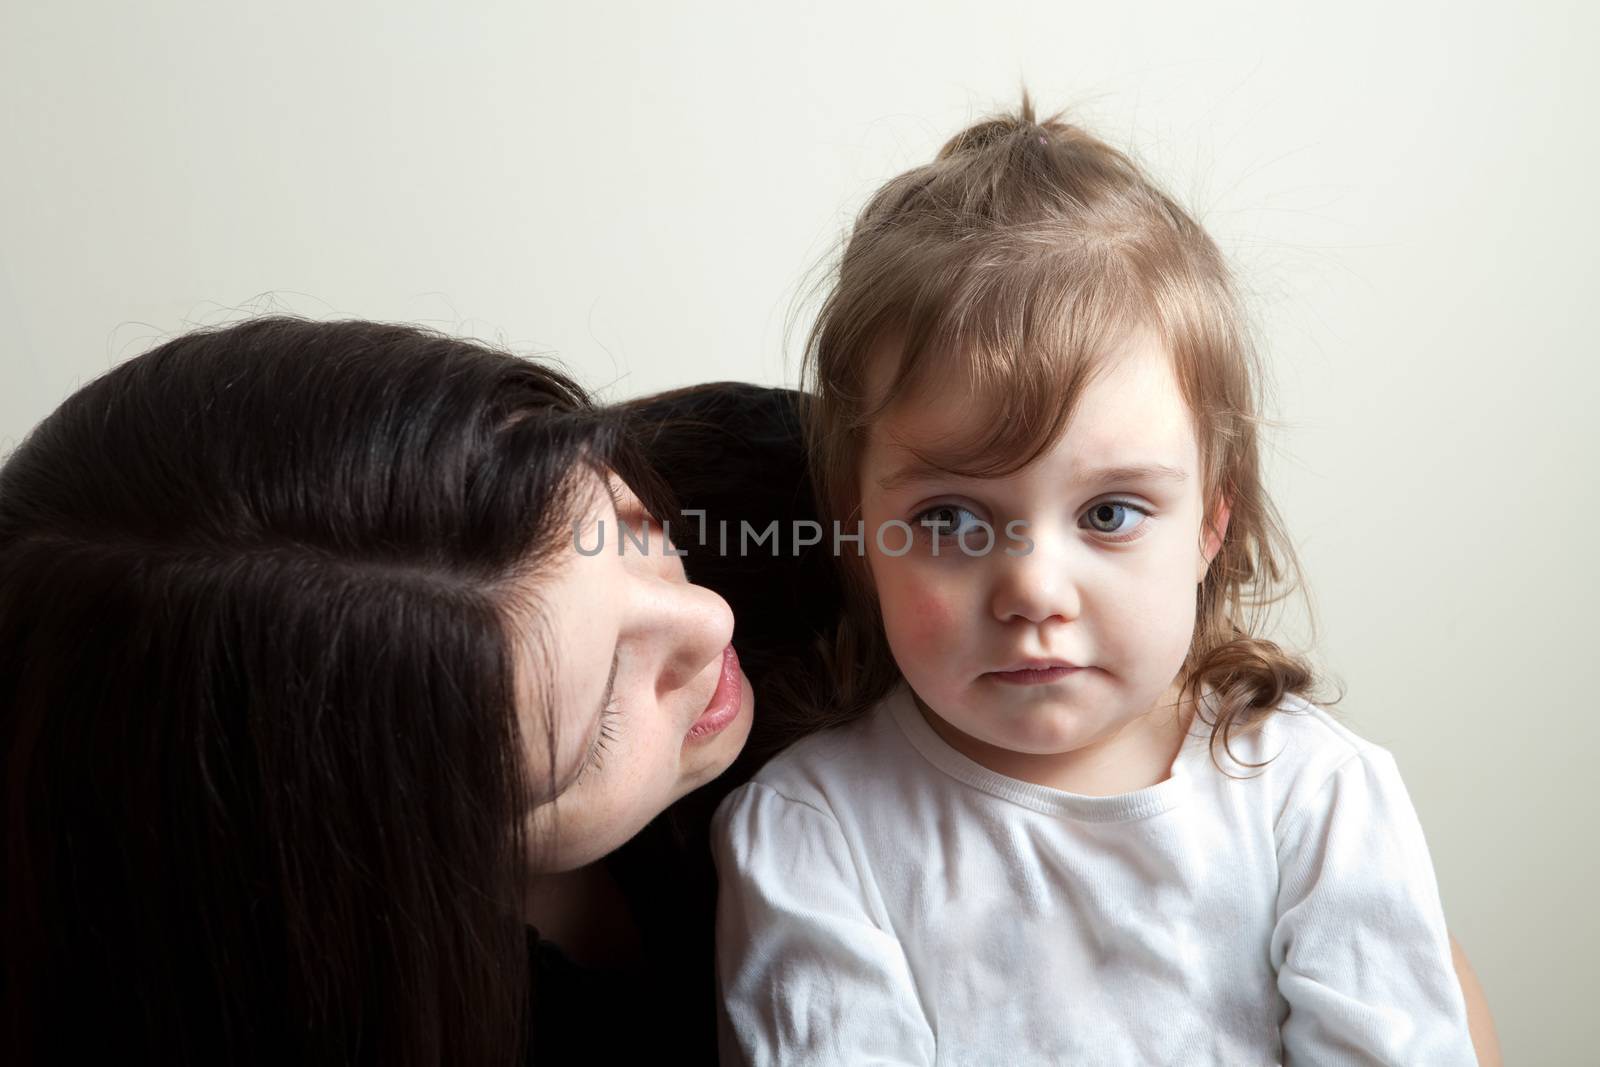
x: 1073, y: 810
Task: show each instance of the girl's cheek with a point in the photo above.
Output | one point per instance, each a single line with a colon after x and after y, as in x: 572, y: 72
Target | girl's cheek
x: 924, y: 614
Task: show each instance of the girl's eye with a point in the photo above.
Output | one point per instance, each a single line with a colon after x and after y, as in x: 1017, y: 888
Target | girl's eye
x: 945, y: 520
x: 1111, y: 517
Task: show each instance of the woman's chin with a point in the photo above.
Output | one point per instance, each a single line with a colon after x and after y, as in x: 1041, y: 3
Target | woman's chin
x: 706, y: 754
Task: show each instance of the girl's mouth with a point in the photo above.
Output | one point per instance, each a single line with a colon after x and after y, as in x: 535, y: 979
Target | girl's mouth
x: 1033, y: 675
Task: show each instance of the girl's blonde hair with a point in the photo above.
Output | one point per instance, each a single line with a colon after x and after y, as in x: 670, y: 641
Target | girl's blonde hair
x: 1007, y: 268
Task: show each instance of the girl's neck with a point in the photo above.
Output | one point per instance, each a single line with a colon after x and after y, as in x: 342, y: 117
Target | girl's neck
x: 585, y: 913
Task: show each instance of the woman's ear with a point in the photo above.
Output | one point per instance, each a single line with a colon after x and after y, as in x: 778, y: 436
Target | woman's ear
x: 1216, y: 530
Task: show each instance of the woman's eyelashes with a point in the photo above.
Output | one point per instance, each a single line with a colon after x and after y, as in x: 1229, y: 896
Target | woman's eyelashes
x: 604, y: 737
x: 605, y: 732
x: 1111, y: 520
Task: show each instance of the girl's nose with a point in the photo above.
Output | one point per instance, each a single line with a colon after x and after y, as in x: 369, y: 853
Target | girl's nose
x: 1035, y: 587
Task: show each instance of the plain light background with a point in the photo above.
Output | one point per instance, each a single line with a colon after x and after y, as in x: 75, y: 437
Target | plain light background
x: 643, y: 190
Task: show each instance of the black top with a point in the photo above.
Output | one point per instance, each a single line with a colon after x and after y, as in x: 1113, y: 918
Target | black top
x: 585, y: 1015
x: 735, y: 451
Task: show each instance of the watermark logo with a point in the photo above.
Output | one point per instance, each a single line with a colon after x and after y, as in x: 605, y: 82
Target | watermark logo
x: 893, y: 538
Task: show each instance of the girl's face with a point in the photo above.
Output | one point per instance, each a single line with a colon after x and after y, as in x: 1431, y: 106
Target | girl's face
x: 647, y: 698
x: 1113, y: 512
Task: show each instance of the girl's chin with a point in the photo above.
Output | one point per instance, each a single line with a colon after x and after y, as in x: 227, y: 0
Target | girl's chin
x: 1041, y: 728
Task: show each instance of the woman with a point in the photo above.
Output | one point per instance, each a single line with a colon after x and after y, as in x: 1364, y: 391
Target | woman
x: 301, y: 683
x: 302, y: 656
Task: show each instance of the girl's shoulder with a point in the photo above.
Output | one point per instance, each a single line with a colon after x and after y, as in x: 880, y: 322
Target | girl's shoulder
x: 1303, y: 734
x: 1297, y: 750
x: 832, y: 768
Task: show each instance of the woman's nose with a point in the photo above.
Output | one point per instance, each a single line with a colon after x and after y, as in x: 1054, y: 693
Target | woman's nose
x: 1035, y: 586
x: 693, y: 625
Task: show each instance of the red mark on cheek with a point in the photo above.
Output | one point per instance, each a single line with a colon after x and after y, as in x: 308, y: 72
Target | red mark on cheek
x: 924, y: 616
x: 933, y: 609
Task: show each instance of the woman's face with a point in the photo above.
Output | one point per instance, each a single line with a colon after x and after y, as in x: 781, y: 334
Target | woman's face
x: 645, y: 695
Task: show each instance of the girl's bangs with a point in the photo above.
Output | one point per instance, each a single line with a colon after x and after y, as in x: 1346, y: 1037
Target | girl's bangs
x: 1020, y: 340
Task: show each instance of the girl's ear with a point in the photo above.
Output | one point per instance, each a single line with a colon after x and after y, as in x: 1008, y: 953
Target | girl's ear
x: 1217, y: 530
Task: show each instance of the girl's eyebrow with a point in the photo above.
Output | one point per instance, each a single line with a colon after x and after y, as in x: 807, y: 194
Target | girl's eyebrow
x: 1133, y: 472
x: 911, y: 473
x: 921, y: 471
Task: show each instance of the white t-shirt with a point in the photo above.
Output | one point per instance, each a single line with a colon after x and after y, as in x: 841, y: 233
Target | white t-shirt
x: 885, y: 899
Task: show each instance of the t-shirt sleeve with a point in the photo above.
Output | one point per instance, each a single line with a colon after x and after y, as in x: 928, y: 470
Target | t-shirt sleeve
x: 805, y: 973
x: 1360, y: 947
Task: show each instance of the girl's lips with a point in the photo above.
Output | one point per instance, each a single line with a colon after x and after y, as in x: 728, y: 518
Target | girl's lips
x: 725, y: 702
x: 1038, y: 676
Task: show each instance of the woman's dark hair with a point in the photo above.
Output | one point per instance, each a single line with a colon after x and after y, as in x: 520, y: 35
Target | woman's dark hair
x: 733, y: 454
x: 264, y: 791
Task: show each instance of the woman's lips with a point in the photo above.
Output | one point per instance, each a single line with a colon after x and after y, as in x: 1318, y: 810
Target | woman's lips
x: 725, y: 702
